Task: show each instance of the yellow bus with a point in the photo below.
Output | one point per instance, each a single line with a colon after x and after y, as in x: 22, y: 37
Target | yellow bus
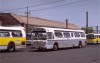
x: 12, y: 38
x: 93, y: 38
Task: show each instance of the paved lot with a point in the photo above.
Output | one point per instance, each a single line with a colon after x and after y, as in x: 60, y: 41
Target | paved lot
x: 89, y: 54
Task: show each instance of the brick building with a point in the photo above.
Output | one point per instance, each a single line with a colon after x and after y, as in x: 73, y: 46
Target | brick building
x: 7, y: 19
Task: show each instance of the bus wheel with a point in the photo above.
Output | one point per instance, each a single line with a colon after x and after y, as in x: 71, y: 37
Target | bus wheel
x: 80, y: 44
x: 55, y: 47
x: 11, y: 47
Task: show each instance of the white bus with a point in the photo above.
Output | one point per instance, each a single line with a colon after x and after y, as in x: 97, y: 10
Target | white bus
x: 54, y: 38
x: 12, y: 38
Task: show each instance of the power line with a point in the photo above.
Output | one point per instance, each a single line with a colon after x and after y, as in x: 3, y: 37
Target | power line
x: 36, y: 5
x: 47, y: 3
x: 59, y: 5
x: 14, y: 9
x: 35, y: 2
x: 54, y: 6
x: 44, y: 9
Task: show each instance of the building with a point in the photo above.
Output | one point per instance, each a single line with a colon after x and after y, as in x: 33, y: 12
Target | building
x: 8, y: 19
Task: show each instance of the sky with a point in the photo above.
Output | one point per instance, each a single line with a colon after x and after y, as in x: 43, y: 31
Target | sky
x: 57, y: 10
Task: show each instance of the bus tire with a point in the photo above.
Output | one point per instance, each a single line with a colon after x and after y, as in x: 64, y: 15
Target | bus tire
x: 11, y: 47
x: 80, y: 44
x: 55, y: 47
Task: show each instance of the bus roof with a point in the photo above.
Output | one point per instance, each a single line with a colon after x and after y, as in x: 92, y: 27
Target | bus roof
x: 93, y: 34
x: 12, y: 28
x: 52, y: 29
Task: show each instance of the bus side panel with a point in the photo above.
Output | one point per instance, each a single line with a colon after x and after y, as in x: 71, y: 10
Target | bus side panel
x: 4, y: 41
x: 65, y: 43
x: 61, y: 43
x: 19, y: 41
x: 16, y: 41
x: 91, y: 40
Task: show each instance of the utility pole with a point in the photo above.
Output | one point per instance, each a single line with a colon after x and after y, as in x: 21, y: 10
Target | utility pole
x: 97, y: 29
x: 66, y: 23
x: 27, y: 20
x: 2, y: 19
x: 87, y: 22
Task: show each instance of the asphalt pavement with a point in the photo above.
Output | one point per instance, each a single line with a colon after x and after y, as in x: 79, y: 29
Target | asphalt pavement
x: 88, y: 54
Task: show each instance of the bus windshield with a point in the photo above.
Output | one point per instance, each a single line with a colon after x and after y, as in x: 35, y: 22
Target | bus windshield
x: 39, y: 35
x: 90, y: 36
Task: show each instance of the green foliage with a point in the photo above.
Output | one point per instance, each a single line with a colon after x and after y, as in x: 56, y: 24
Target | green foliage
x: 89, y: 29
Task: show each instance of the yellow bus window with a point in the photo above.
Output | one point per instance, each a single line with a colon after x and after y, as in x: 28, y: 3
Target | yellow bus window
x: 4, y: 34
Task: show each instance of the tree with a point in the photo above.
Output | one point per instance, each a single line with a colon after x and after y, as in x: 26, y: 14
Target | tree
x: 89, y: 29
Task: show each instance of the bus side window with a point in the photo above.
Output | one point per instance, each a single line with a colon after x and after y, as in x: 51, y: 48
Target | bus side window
x: 66, y: 34
x: 16, y: 34
x: 1, y: 34
x: 4, y: 34
x: 82, y: 34
x: 77, y: 34
x: 58, y: 34
x: 99, y: 36
x: 50, y: 35
x: 96, y: 36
